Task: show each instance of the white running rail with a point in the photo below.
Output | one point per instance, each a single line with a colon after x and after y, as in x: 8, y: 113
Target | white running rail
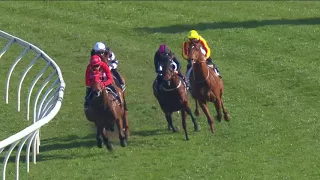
x: 43, y: 112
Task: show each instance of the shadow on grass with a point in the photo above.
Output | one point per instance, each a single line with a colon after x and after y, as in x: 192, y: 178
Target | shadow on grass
x: 153, y: 132
x: 227, y: 25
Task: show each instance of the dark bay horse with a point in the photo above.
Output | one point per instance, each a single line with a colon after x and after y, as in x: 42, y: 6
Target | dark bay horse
x: 105, y: 111
x: 173, y: 96
x: 206, y: 85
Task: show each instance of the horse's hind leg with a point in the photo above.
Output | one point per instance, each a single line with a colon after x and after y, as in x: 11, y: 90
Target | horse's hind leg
x: 195, y: 124
x: 217, y: 105
x: 206, y: 112
x: 126, y: 124
x: 169, y: 120
x: 225, y: 112
x: 123, y: 141
x: 98, y: 137
x: 184, y: 122
x: 196, y: 111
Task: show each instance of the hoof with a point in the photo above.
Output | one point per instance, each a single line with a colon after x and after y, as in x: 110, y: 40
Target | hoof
x: 110, y: 146
x: 99, y: 143
x: 227, y: 117
x: 196, y: 128
x: 219, y: 118
x: 123, y: 143
x: 176, y: 129
x: 197, y: 113
x: 212, y: 130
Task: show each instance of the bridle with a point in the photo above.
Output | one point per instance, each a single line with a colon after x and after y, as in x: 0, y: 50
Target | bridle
x: 171, y: 73
x: 193, y: 46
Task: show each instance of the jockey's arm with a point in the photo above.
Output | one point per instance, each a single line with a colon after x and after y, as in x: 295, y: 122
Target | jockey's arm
x: 156, y: 62
x: 205, y: 47
x: 106, y: 69
x: 113, y: 62
x: 185, y: 50
x: 87, y: 77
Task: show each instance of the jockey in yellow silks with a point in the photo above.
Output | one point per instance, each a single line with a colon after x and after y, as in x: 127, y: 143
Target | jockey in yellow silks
x: 193, y: 36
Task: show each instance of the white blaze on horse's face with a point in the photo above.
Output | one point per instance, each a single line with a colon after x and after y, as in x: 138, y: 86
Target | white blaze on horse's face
x: 169, y: 82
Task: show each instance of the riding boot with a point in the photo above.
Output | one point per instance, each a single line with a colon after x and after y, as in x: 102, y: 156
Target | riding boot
x: 87, y: 98
x: 188, y: 66
x: 210, y: 62
x: 217, y: 70
x: 117, y: 75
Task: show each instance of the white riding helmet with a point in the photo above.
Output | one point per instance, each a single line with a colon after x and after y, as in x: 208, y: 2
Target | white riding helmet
x: 99, y: 46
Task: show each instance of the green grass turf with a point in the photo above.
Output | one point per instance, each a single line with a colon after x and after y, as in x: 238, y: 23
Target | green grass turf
x: 267, y: 52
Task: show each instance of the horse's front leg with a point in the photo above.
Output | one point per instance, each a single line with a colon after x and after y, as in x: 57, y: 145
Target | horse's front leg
x: 196, y: 111
x: 106, y: 141
x: 170, y: 123
x: 225, y: 112
x: 206, y: 112
x: 195, y: 124
x: 217, y: 105
x: 123, y: 141
x: 126, y: 124
x: 98, y: 137
x: 184, y: 122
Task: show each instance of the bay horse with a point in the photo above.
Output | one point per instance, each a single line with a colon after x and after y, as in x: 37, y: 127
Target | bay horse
x: 105, y: 111
x: 206, y: 85
x: 104, y: 58
x: 173, y: 96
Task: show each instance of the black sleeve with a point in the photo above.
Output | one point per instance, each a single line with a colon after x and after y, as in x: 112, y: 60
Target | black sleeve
x: 156, y: 61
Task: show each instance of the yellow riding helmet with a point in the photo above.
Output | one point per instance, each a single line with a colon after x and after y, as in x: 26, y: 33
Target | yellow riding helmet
x: 193, y: 34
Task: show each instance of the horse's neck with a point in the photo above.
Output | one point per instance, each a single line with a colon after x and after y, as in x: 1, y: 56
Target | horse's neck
x: 107, y: 99
x: 97, y: 102
x: 201, y: 73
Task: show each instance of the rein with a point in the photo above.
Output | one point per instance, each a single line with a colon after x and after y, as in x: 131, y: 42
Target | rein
x: 171, y: 89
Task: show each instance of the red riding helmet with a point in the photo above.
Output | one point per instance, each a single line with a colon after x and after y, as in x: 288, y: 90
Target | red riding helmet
x: 95, y: 60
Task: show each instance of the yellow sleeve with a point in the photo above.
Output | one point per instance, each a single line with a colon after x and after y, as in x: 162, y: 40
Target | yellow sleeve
x: 206, y: 47
x: 185, y: 50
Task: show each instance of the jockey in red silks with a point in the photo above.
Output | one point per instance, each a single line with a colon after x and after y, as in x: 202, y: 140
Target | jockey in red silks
x: 101, y: 49
x: 94, y: 68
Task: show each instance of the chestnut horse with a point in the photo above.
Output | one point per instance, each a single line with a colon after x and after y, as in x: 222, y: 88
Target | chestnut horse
x: 105, y: 111
x: 206, y: 85
x: 173, y: 96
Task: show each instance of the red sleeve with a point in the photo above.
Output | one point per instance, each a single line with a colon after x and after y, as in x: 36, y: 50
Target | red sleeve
x: 185, y: 50
x: 88, y: 81
x: 106, y: 69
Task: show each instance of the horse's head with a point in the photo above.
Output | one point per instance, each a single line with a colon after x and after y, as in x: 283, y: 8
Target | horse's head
x: 194, y: 53
x: 96, y: 84
x: 168, y: 69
